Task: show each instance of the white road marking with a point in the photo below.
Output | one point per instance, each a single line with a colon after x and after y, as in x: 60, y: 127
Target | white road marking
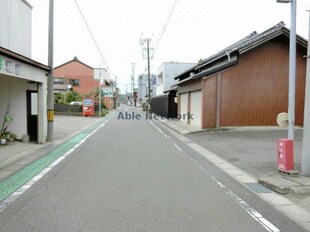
x: 251, y: 211
x: 177, y: 147
x: 37, y: 177
x: 166, y: 136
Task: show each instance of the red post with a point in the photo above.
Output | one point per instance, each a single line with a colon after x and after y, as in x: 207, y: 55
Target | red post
x: 285, y: 154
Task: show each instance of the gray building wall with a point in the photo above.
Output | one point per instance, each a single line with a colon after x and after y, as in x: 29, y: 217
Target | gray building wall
x: 166, y: 74
x: 15, y: 24
x: 143, y: 85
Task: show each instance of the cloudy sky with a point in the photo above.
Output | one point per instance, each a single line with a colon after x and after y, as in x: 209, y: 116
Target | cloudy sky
x: 196, y: 29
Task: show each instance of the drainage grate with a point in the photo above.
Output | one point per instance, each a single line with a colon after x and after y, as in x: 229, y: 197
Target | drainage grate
x: 258, y: 188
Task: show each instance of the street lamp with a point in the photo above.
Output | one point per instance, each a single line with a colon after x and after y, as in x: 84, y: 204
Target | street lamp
x: 292, y: 69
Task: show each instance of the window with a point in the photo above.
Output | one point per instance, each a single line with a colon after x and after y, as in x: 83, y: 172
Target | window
x: 75, y: 82
x: 59, y: 81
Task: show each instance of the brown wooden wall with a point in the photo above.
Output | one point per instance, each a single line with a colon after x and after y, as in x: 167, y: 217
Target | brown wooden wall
x: 255, y: 91
x: 209, y: 102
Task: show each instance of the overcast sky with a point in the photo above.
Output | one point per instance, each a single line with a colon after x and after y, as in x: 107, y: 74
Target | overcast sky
x: 197, y: 29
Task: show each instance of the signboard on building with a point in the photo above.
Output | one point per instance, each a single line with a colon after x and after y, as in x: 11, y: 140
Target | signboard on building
x: 107, y: 92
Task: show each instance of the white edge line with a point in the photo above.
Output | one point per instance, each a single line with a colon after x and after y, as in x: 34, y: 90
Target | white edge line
x: 37, y: 177
x: 251, y: 211
x: 177, y: 147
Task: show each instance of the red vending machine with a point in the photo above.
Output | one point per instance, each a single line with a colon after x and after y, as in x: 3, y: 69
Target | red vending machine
x: 88, y: 107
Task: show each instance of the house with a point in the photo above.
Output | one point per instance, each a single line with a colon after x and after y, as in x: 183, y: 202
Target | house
x: 77, y: 74
x: 23, y: 81
x: 83, y: 79
x: 245, y: 84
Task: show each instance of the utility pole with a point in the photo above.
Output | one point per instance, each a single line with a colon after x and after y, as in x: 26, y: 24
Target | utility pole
x: 148, y: 74
x: 142, y: 41
x: 116, y: 93
x: 305, y: 164
x: 50, y: 81
x: 292, y: 71
x: 133, y: 83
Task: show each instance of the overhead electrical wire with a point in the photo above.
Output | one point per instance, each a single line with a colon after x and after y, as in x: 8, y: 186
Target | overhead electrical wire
x: 97, y: 46
x: 164, y: 28
x: 162, y: 33
x: 92, y: 36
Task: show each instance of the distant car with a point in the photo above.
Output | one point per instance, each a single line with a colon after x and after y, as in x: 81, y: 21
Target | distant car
x: 76, y: 103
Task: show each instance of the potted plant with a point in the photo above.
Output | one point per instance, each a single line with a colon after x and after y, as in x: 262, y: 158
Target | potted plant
x: 3, y: 139
x: 4, y: 134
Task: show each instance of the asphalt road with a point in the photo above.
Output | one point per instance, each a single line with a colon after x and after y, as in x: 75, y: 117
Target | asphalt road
x: 132, y: 175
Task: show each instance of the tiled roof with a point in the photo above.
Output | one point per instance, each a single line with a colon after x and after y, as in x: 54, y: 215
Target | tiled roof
x: 245, y: 42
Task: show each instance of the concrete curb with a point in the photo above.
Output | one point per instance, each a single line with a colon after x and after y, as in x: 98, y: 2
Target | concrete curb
x: 281, y: 203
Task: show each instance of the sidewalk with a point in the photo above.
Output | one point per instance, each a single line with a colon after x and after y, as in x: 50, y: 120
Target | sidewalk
x: 253, y: 150
x: 14, y: 157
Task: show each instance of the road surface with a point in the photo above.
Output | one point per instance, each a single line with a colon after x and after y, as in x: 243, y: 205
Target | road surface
x: 132, y: 175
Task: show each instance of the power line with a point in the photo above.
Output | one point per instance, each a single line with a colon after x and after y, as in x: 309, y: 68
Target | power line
x: 92, y: 36
x: 164, y: 28
x: 162, y: 32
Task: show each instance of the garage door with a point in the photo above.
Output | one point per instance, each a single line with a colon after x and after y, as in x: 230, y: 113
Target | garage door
x: 183, y: 106
x: 195, y: 108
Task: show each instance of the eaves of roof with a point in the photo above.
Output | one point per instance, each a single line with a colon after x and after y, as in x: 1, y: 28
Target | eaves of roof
x: 173, y: 88
x: 262, y: 38
x: 247, y: 43
x: 227, y: 50
x: 24, y: 59
x: 253, y: 40
x: 185, y: 72
x: 212, y: 70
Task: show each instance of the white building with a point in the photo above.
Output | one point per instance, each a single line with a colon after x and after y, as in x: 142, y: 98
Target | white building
x: 23, y: 82
x: 143, y: 87
x: 166, y: 73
